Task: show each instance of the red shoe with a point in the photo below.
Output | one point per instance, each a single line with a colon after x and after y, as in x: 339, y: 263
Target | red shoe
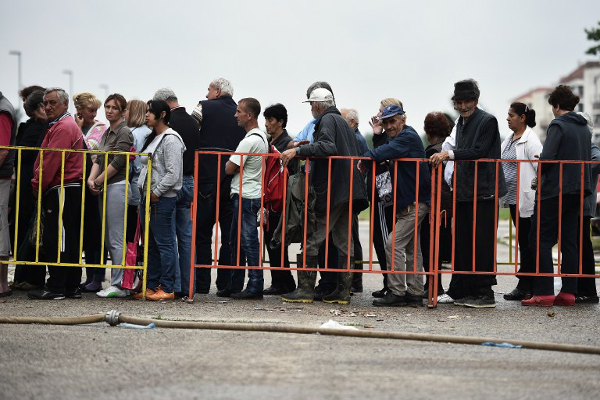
x: 564, y: 299
x: 544, y: 301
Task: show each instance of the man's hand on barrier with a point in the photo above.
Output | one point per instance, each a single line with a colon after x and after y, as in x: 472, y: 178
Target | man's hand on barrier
x: 438, y: 158
x: 288, y: 155
x: 362, y: 166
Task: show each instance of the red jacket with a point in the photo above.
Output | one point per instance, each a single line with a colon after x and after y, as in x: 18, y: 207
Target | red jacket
x: 65, y: 134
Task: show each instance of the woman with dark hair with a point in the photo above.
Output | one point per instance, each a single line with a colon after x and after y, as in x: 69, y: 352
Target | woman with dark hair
x: 568, y: 138
x: 111, y: 172
x: 437, y: 128
x: 30, y: 134
x: 166, y: 148
x: 523, y: 144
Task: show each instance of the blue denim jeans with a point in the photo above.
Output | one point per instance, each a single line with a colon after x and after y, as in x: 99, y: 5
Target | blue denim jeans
x: 183, y: 228
x: 162, y: 244
x: 249, y: 246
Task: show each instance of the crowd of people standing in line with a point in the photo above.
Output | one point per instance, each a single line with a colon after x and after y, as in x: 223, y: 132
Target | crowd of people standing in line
x: 169, y: 135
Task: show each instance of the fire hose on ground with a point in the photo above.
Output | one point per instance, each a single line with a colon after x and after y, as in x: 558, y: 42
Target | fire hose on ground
x: 114, y: 318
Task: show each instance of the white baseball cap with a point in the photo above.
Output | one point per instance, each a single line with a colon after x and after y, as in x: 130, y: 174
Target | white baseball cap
x: 320, y: 94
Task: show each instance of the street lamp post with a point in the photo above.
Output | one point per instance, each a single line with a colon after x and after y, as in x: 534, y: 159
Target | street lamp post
x: 70, y: 73
x: 20, y: 82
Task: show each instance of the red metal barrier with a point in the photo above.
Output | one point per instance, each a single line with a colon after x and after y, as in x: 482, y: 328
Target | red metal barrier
x: 436, y: 217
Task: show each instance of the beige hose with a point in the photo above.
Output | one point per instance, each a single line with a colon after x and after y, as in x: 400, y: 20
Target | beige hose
x: 114, y: 318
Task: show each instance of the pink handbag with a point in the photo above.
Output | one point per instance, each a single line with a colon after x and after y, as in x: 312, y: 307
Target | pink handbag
x: 131, y: 256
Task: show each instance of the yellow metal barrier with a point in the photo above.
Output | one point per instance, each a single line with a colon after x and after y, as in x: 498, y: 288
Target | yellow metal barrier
x: 146, y: 213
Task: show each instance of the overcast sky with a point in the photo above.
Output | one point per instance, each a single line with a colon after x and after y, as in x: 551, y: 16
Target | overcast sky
x: 273, y: 50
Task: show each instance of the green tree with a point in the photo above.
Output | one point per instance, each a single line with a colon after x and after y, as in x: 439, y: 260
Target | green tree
x: 593, y: 34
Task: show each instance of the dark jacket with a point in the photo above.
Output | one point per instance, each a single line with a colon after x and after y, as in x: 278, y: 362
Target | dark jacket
x: 477, y: 138
x: 281, y: 145
x: 219, y: 132
x: 407, y: 144
x: 568, y: 139
x: 186, y: 126
x: 334, y: 137
x: 446, y: 195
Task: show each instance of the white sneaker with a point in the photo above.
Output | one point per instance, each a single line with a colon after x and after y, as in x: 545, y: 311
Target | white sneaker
x: 445, y: 299
x: 113, y: 291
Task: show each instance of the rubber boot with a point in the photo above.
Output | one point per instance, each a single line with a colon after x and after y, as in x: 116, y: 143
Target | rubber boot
x: 341, y: 294
x: 304, y: 292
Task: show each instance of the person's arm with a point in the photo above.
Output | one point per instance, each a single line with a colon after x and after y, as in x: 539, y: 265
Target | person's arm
x: 552, y: 143
x: 231, y: 168
x: 233, y: 164
x: 398, y: 147
x: 173, y: 160
x: 59, y: 138
x: 197, y: 114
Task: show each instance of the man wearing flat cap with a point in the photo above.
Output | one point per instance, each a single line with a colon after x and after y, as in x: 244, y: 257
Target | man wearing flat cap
x: 412, y: 205
x: 477, y: 137
x: 332, y: 137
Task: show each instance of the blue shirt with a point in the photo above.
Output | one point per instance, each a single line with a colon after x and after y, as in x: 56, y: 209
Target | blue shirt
x: 307, y: 132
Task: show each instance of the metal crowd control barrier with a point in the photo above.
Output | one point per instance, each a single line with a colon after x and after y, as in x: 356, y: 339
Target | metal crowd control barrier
x: 38, y: 210
x: 436, y: 217
x: 223, y: 156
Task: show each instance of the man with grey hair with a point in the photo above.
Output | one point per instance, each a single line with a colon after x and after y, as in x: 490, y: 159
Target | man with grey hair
x: 58, y: 190
x: 219, y: 131
x: 332, y: 137
x: 351, y: 116
x: 186, y: 127
x: 8, y: 131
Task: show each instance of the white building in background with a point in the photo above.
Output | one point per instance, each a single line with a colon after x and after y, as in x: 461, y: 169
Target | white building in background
x: 585, y: 82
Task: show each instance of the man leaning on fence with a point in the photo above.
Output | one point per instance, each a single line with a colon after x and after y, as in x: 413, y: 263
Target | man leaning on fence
x: 333, y: 137
x: 63, y: 133
x: 412, y: 207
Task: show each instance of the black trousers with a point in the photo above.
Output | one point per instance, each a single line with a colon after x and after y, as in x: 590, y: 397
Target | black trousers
x: 62, y: 279
x: 587, y: 286
x: 548, y: 211
x: 463, y: 285
x: 383, y: 221
x: 525, y: 254
x: 205, y: 222
x: 279, y: 278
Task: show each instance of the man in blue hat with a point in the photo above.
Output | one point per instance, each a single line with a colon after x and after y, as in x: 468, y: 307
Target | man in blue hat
x: 411, y: 205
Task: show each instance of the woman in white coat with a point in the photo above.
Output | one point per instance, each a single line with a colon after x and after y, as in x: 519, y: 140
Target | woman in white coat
x: 523, y: 144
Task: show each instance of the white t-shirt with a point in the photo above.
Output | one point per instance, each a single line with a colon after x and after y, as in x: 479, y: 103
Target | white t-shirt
x: 255, y: 141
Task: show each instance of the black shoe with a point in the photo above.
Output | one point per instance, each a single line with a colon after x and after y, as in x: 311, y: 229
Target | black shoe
x: 73, y: 294
x: 412, y: 300
x: 483, y: 301
x: 246, y: 295
x: 44, y: 294
x: 586, y: 299
x: 461, y: 302
x: 224, y: 293
x: 380, y: 293
x: 517, y: 294
x: 202, y: 291
x: 321, y: 292
x: 273, y: 290
x: 356, y: 289
x: 390, y: 300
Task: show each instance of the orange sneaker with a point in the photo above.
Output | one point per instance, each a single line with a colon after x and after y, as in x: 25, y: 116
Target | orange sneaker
x: 139, y: 296
x: 160, y: 295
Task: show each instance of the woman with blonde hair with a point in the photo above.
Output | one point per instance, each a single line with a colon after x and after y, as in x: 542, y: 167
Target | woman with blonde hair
x: 87, y: 106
